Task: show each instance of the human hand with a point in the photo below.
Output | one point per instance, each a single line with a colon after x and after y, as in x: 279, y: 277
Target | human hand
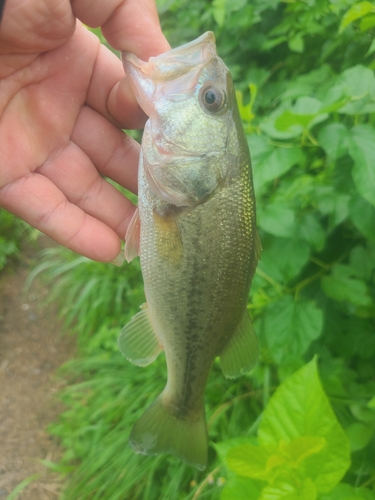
x: 62, y: 107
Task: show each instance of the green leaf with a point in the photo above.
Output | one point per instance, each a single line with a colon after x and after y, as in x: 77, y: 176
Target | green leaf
x: 269, y: 463
x: 311, y: 231
x: 299, y: 408
x: 358, y: 83
x: 284, y: 258
x: 219, y: 11
x: 342, y: 286
x: 356, y: 12
x: 273, y: 164
x: 330, y: 202
x: 240, y: 488
x: 223, y: 447
x: 287, y: 491
x: 359, y: 435
x: 347, y: 492
x: 362, y: 215
x: 277, y: 219
x: 334, y: 140
x: 367, y: 22
x: 290, y: 326
x: 296, y: 44
x: 305, y: 113
x: 302, y: 447
x: 362, y: 262
x: 362, y: 150
x: 256, y: 462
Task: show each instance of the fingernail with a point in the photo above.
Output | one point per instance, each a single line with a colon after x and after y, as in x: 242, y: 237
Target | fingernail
x: 119, y: 260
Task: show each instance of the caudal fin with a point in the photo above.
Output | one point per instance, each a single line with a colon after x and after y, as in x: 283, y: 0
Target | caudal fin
x: 158, y: 431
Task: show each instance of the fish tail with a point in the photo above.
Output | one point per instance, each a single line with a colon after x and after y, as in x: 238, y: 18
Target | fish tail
x: 159, y: 431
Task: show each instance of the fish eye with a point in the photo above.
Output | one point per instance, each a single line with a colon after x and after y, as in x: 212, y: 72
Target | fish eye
x: 213, y: 98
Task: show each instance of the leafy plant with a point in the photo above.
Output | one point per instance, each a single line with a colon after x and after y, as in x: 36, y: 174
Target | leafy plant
x: 304, y: 73
x: 302, y: 450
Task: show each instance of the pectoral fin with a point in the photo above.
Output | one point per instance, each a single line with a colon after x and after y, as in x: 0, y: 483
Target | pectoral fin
x: 132, y: 237
x: 241, y: 353
x: 138, y: 341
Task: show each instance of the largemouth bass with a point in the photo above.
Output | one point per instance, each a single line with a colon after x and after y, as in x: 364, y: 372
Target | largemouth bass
x: 194, y: 230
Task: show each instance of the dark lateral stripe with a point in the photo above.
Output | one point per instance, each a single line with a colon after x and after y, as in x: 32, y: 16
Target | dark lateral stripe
x: 2, y: 5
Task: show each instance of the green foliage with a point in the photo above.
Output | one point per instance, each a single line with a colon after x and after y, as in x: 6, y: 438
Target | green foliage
x: 302, y: 450
x: 304, y: 73
x: 11, y: 232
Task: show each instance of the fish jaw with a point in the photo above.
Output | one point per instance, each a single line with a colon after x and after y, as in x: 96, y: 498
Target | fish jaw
x: 173, y: 73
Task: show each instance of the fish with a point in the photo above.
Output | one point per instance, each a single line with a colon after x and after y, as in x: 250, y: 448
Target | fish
x: 195, y: 232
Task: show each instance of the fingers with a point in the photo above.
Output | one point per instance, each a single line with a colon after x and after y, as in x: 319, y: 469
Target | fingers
x: 128, y: 25
x: 113, y: 153
x: 103, y: 94
x: 40, y: 203
x: 76, y: 177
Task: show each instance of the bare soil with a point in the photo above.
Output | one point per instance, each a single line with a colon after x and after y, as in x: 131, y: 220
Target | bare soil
x: 31, y: 349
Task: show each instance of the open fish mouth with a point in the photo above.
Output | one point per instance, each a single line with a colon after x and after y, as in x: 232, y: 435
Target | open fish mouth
x: 173, y: 73
x: 176, y: 62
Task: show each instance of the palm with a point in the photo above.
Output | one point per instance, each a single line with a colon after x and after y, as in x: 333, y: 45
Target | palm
x: 61, y: 112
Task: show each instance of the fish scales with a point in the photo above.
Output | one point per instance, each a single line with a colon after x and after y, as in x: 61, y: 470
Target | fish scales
x: 196, y: 237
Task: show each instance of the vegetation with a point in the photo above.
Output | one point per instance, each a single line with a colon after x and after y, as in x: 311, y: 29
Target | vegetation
x: 304, y: 71
x: 12, y: 230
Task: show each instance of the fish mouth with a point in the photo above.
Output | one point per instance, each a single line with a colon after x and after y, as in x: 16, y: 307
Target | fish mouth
x: 180, y: 66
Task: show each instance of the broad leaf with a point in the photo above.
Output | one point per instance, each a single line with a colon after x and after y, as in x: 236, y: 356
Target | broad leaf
x: 298, y: 408
x: 240, y: 488
x: 356, y: 12
x: 277, y: 219
x: 284, y: 258
x: 273, y: 164
x: 362, y: 214
x: 343, y: 286
x: 347, y: 492
x: 359, y: 435
x: 362, y: 150
x: 334, y: 140
x: 287, y: 491
x: 311, y: 231
x: 290, y: 326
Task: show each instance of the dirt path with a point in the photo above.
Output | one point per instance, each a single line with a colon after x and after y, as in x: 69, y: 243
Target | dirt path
x: 31, y: 349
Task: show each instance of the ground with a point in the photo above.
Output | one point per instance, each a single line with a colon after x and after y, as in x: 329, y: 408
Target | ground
x: 32, y: 347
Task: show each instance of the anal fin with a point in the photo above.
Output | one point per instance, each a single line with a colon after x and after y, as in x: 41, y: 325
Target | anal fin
x: 138, y: 341
x: 240, y: 355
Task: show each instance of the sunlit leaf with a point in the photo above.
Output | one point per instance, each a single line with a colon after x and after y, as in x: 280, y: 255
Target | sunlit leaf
x: 299, y: 407
x: 356, y: 12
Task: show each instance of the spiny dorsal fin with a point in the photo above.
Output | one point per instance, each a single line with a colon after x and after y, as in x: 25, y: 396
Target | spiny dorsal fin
x: 138, y: 341
x: 241, y: 353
